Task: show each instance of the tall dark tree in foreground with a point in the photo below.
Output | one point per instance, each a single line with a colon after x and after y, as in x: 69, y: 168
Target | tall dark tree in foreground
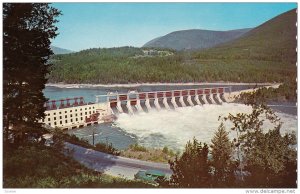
x: 27, y: 31
x: 223, y: 166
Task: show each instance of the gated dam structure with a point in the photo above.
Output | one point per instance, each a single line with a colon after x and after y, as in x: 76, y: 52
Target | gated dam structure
x: 75, y: 112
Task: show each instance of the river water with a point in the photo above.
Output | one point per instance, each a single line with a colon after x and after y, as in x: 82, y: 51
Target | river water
x: 172, y: 128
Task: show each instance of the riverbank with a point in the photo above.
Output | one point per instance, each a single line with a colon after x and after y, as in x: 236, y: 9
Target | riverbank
x: 64, y: 85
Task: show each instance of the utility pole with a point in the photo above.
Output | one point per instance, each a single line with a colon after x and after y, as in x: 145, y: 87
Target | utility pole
x: 93, y: 137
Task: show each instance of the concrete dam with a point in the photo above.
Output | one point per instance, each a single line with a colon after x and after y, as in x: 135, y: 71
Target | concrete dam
x: 133, y: 102
x: 75, y: 112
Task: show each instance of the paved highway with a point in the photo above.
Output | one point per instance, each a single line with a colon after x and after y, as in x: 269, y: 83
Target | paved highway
x: 113, y: 165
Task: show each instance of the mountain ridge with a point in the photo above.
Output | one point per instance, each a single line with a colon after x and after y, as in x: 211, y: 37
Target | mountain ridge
x: 57, y: 50
x: 273, y: 40
x: 194, y: 39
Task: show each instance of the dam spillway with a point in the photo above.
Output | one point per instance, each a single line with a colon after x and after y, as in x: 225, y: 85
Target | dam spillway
x: 75, y: 112
x: 134, y: 102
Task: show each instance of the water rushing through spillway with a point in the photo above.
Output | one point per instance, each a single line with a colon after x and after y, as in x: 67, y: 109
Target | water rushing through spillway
x: 161, y: 128
x: 174, y: 128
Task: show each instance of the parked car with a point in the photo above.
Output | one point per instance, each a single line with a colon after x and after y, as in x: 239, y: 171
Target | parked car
x: 149, y: 176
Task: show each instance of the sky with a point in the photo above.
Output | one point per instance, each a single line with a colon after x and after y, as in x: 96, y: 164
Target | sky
x: 95, y: 25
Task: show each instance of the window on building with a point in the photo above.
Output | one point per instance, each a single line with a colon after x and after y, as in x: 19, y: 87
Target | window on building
x: 76, y: 119
x: 80, y: 114
x: 81, y: 109
x: 54, y: 123
x: 66, y: 116
x: 54, y: 113
x: 60, y: 117
x: 48, y: 119
x: 89, y: 107
x: 85, y: 108
x: 90, y: 112
x: 49, y: 124
x: 85, y: 113
x: 49, y: 114
x: 71, y: 120
x: 81, y: 118
x: 60, y: 122
x: 70, y: 110
x: 59, y: 112
x: 66, y: 121
x: 65, y: 111
x: 75, y: 110
x: 54, y: 118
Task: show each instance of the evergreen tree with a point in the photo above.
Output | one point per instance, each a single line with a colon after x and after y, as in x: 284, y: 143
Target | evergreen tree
x: 223, y: 166
x: 192, y: 168
x: 271, y: 160
x: 265, y: 159
x: 27, y: 32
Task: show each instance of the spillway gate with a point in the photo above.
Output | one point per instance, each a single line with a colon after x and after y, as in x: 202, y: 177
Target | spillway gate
x: 134, y: 101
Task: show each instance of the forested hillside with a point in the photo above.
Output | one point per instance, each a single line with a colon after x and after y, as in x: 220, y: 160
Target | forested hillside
x: 275, y: 40
x: 264, y: 54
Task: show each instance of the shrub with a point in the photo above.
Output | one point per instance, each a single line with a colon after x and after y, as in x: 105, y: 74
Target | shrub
x: 138, y: 148
x: 107, y: 148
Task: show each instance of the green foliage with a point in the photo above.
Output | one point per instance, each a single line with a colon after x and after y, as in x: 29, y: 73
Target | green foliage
x: 194, y: 39
x: 148, y: 154
x: 223, y: 166
x: 37, y: 166
x: 271, y: 41
x: 192, y: 168
x: 106, y: 148
x: 271, y: 161
x: 285, y: 92
x: 268, y: 157
x: 181, y: 67
x: 258, y: 157
x: 27, y: 30
x: 137, y: 147
x: 168, y: 151
x: 60, y: 137
x: 265, y: 54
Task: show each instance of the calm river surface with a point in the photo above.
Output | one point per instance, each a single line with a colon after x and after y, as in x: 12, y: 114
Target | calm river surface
x: 172, y: 128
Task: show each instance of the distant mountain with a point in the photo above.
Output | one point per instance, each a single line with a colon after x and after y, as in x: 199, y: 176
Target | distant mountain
x: 195, y: 39
x: 274, y: 40
x: 57, y: 50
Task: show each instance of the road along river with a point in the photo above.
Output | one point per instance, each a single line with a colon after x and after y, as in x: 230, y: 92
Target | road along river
x: 113, y: 165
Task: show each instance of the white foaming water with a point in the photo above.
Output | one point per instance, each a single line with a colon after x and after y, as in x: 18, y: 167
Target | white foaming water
x: 174, y: 128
